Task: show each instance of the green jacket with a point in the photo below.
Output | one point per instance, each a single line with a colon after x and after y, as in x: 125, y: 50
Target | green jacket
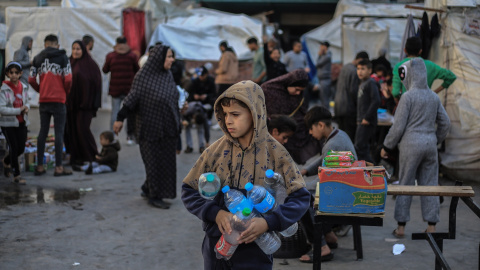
x: 434, y: 72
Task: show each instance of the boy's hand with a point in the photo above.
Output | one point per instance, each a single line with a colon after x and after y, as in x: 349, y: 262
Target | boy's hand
x: 223, y: 221
x: 365, y: 122
x: 303, y: 172
x: 383, y: 154
x: 98, y: 157
x: 256, y: 228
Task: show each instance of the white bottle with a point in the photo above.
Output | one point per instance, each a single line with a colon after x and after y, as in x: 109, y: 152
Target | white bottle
x: 209, y: 185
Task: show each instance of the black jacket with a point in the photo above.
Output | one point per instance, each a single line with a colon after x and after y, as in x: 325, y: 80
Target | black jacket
x: 109, y: 155
x: 368, y: 101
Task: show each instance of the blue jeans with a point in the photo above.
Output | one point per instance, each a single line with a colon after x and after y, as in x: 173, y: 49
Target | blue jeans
x: 200, y: 132
x: 59, y: 113
x: 116, y: 106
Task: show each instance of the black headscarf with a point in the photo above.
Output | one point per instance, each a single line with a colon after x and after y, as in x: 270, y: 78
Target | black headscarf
x: 154, y: 98
x: 86, y: 91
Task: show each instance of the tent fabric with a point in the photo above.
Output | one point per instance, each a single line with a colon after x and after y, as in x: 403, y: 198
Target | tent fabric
x: 69, y: 25
x: 355, y: 40
x: 197, y: 37
x: 3, y: 36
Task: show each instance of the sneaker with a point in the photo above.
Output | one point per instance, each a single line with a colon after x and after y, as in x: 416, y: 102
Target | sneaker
x: 188, y: 150
x: 130, y: 142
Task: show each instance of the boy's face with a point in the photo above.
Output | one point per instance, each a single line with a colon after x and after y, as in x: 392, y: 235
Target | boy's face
x: 363, y: 72
x: 104, y: 141
x: 238, y: 120
x: 14, y: 74
x: 317, y: 130
x: 281, y: 137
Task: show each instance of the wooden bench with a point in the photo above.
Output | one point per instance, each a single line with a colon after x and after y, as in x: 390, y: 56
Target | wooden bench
x: 434, y: 239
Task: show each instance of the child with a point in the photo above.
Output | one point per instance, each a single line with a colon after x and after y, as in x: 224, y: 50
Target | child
x: 319, y: 122
x: 107, y: 161
x: 415, y: 134
x: 367, y: 106
x: 13, y: 119
x: 281, y: 128
x: 241, y: 156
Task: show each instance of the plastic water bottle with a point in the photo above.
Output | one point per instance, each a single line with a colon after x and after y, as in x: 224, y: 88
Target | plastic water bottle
x: 262, y: 200
x: 227, y: 244
x: 275, y: 184
x: 209, y: 185
x: 269, y: 242
x: 235, y: 200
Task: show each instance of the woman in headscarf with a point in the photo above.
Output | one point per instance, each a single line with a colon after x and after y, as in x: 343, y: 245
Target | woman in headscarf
x: 83, y: 102
x: 154, y: 98
x: 284, y: 96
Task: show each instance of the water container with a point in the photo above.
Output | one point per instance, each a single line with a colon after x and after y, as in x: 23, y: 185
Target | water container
x: 235, y: 200
x: 290, y: 230
x: 274, y: 181
x: 209, y: 185
x: 227, y: 244
x: 269, y: 242
x: 261, y: 199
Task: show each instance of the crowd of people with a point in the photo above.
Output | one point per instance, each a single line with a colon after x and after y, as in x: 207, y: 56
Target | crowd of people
x: 269, y: 122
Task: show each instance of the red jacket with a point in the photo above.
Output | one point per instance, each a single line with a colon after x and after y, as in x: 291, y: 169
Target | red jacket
x: 53, y: 67
x: 123, y: 65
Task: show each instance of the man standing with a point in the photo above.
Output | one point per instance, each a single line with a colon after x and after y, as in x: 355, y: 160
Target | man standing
x: 122, y: 63
x: 259, y: 69
x: 21, y: 56
x: 53, y: 68
x: 296, y: 58
x: 324, y: 73
x: 346, y: 96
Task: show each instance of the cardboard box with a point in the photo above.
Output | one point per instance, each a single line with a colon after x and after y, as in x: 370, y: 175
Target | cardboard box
x: 352, y: 190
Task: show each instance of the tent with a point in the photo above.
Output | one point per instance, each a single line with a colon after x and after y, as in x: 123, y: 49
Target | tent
x: 369, y: 33
x: 197, y: 37
x: 69, y: 25
x: 457, y: 50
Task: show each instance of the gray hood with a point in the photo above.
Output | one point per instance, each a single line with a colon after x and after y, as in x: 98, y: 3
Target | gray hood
x: 413, y: 74
x: 25, y: 41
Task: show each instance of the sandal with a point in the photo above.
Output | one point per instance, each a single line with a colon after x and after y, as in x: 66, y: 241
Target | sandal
x: 19, y: 180
x: 324, y: 258
x: 38, y: 173
x: 397, y: 235
x: 63, y: 173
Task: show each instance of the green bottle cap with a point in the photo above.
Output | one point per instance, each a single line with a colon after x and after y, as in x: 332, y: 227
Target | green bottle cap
x: 246, y: 211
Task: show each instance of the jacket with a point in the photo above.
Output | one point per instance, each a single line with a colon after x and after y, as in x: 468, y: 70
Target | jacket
x: 324, y: 66
x: 109, y: 155
x: 122, y: 64
x: 227, y: 71
x: 368, y: 101
x: 8, y: 114
x: 53, y: 67
x: 236, y: 166
x: 347, y: 90
x: 21, y: 56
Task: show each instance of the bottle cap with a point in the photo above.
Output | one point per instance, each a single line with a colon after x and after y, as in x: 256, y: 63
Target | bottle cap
x: 225, y: 189
x: 210, y: 178
x: 246, y: 211
x: 269, y: 173
x: 248, y: 186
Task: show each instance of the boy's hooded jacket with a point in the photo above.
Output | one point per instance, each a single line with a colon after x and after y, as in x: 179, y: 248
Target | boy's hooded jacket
x: 8, y: 114
x: 237, y: 167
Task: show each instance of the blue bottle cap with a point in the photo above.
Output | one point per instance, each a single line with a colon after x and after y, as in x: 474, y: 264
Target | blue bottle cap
x: 210, y: 178
x: 269, y: 173
x: 248, y: 186
x: 225, y: 189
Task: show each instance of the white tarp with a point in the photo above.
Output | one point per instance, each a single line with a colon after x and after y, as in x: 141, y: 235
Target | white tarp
x: 371, y: 40
x: 459, y: 52
x: 69, y: 25
x: 197, y: 37
x: 330, y: 31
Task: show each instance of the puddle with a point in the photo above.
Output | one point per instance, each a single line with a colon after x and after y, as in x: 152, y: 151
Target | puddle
x: 13, y: 195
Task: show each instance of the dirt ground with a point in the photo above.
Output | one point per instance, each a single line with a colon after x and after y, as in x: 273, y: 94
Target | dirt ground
x: 101, y: 222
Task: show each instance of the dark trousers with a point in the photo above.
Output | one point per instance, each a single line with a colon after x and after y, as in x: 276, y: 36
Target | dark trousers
x: 347, y: 124
x: 16, y: 137
x: 363, y: 136
x: 59, y: 113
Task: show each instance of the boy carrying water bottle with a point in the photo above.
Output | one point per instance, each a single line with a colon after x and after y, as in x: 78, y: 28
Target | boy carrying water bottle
x: 242, y: 156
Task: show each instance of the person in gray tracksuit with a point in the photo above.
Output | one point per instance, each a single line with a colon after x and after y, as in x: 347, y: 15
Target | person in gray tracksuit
x: 416, y: 136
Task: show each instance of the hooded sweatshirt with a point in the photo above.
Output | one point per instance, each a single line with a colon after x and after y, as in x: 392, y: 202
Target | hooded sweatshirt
x: 236, y: 166
x: 122, y: 63
x: 418, y: 111
x: 53, y: 67
x: 21, y: 56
